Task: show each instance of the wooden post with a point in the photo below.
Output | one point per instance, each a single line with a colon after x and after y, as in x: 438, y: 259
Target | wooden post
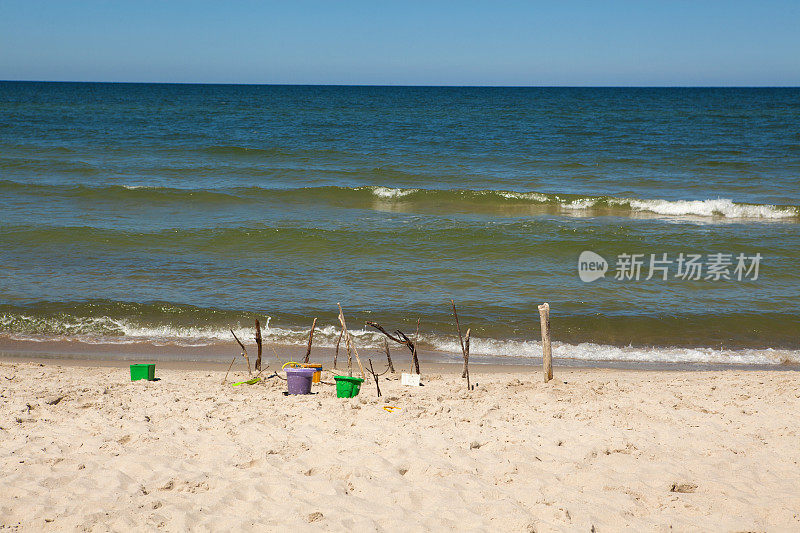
x: 258, y: 343
x: 547, y: 355
x: 310, y: 339
x: 388, y: 355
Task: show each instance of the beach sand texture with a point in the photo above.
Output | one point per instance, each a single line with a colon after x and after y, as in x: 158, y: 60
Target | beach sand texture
x: 83, y: 448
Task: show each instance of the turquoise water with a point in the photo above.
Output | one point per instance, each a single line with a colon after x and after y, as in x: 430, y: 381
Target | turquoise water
x: 168, y: 213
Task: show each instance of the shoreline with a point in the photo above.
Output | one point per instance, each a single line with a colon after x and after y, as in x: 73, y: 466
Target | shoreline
x: 76, y: 353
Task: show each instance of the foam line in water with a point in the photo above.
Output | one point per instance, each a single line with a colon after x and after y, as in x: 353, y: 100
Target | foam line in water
x: 365, y: 196
x: 599, y: 352
x: 103, y: 330
x: 720, y: 207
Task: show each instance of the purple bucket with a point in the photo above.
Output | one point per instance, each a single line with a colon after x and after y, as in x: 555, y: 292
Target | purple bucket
x: 299, y: 380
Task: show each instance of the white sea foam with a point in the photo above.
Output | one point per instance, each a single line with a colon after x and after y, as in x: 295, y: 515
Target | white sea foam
x: 388, y: 192
x: 709, y: 208
x: 720, y: 207
x: 102, y: 330
x: 599, y: 352
x: 526, y: 196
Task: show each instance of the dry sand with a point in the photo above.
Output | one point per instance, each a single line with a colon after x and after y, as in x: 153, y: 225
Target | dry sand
x: 84, y: 448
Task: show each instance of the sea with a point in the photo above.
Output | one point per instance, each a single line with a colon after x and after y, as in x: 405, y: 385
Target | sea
x: 660, y: 224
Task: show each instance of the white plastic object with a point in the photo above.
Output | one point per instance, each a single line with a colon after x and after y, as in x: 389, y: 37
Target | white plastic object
x: 412, y: 380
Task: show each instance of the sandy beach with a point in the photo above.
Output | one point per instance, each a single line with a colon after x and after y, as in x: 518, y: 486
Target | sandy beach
x: 84, y: 448
x: 594, y: 207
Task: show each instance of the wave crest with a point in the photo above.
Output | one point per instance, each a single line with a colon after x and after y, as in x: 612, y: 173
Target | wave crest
x: 460, y: 200
x: 720, y: 207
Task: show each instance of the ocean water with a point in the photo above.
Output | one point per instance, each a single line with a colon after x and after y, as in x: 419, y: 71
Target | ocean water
x: 165, y: 214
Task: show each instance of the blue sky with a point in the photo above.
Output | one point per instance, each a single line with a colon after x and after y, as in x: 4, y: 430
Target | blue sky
x: 702, y: 42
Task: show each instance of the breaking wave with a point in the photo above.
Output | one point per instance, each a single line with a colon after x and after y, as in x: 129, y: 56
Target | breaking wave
x: 720, y: 207
x: 371, y: 197
x: 106, y: 330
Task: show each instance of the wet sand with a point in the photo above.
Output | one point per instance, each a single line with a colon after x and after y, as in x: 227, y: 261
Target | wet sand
x: 215, y: 356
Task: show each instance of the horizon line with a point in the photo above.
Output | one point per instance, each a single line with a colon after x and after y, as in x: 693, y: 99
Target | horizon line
x: 676, y: 86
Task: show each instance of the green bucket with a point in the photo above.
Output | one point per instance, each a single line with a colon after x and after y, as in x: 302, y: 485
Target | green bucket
x: 143, y: 371
x: 347, y: 387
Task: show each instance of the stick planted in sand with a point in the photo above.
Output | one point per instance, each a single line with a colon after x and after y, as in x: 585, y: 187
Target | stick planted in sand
x: 466, y: 358
x: 258, y: 343
x: 244, y: 353
x: 547, y: 354
x: 375, y: 376
x: 388, y: 355
x: 414, y: 352
x: 351, y: 347
x: 310, y: 340
x: 229, y: 369
x: 460, y: 338
x: 400, y: 338
x: 336, y: 353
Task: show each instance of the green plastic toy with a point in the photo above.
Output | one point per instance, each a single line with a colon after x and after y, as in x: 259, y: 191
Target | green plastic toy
x: 143, y: 371
x: 248, y: 382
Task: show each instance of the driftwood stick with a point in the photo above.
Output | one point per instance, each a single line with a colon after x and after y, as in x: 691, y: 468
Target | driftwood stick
x: 349, y: 355
x: 460, y: 339
x: 414, y: 353
x: 351, y: 347
x: 229, y: 369
x: 310, y: 339
x: 400, y: 338
x: 261, y: 371
x: 346, y: 341
x: 375, y: 377
x: 358, y: 359
x: 336, y: 353
x: 258, y: 343
x: 388, y: 355
x: 466, y: 359
x: 244, y: 353
x: 547, y: 354
x: 389, y: 335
